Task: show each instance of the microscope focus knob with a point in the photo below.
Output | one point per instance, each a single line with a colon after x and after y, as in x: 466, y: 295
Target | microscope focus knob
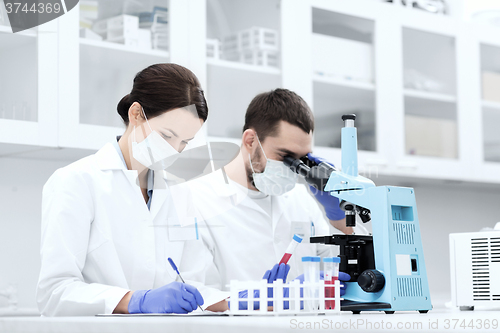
x: 371, y: 281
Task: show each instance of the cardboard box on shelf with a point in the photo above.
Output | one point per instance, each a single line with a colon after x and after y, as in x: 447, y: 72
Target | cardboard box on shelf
x: 431, y: 137
x: 491, y: 86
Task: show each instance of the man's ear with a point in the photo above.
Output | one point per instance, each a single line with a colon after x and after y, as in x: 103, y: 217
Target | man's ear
x: 135, y: 116
x: 249, y: 141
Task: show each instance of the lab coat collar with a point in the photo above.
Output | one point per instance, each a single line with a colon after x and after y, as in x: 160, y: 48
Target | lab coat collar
x: 108, y: 158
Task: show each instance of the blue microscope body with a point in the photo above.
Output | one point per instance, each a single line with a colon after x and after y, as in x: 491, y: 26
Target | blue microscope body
x: 387, y: 269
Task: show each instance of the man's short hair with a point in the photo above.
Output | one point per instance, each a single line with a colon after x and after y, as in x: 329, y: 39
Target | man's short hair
x: 267, y: 110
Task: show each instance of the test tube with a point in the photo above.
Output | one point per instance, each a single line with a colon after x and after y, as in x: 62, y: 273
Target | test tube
x: 331, y: 269
x: 311, y: 281
x: 290, y: 249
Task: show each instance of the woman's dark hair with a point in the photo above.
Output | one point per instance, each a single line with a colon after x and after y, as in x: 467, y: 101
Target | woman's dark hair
x: 164, y: 87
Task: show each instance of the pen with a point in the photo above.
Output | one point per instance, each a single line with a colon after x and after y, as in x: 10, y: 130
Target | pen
x: 177, y: 271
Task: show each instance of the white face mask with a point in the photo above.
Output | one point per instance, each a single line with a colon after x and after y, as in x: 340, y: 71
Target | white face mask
x: 276, y: 179
x: 153, y: 152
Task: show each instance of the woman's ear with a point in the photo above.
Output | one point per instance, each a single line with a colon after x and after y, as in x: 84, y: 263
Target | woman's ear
x: 249, y: 140
x: 135, y: 114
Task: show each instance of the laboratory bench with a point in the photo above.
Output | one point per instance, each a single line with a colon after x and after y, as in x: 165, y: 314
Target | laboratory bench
x: 437, y: 320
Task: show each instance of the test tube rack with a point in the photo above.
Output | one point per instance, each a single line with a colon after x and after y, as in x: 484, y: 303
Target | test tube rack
x: 278, y: 299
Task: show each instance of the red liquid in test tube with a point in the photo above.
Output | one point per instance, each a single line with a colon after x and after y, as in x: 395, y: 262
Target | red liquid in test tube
x: 331, y: 268
x: 290, y: 249
x: 330, y: 293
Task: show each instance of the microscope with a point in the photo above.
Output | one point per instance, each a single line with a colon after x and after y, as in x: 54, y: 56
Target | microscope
x: 387, y: 269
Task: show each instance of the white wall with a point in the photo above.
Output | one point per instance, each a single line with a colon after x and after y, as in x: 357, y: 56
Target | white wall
x: 21, y: 182
x: 442, y: 208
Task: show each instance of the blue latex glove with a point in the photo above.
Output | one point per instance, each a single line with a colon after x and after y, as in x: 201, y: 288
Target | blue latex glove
x: 344, y: 277
x: 175, y: 297
x: 277, y: 272
x: 330, y: 203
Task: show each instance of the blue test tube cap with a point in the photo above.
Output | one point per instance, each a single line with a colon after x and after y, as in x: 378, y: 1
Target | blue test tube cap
x: 306, y: 259
x: 297, y: 238
x: 331, y: 259
x: 315, y: 259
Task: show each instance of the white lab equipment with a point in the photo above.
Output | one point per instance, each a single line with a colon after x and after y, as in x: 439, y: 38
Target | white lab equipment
x: 475, y: 269
x: 99, y: 240
x: 311, y: 279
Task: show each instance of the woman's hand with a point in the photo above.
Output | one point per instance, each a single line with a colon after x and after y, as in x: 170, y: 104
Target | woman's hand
x: 175, y: 297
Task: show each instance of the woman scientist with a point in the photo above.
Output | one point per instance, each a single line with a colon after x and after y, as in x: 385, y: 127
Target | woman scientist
x: 103, y: 249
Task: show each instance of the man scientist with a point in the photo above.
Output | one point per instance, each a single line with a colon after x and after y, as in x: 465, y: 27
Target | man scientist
x: 254, y: 205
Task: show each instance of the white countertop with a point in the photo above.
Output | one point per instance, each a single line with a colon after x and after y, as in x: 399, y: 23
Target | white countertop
x: 437, y: 320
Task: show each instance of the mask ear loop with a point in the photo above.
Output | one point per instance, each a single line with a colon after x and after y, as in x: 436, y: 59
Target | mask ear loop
x: 250, y: 159
x: 261, y: 146
x: 146, y: 119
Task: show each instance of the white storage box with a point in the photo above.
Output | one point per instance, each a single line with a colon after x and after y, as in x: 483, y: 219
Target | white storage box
x: 230, y: 44
x: 491, y: 86
x: 255, y: 38
x: 342, y: 58
x: 232, y: 56
x: 261, y: 58
x: 118, y: 29
x: 123, y: 27
x: 213, y: 48
x: 160, y: 41
x: 431, y: 137
x: 144, y: 40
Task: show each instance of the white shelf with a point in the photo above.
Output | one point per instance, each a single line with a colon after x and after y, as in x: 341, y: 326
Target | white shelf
x: 344, y: 83
x: 27, y: 33
x: 491, y: 105
x: 123, y: 48
x: 330, y: 98
x: 433, y: 96
x: 9, y: 40
x: 243, y: 67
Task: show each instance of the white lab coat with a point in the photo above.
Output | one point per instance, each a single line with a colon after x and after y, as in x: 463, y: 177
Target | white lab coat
x: 99, y: 240
x: 241, y: 239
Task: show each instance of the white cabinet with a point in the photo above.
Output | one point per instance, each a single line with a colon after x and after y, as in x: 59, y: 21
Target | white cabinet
x: 413, y: 78
x: 28, y: 89
x: 235, y: 77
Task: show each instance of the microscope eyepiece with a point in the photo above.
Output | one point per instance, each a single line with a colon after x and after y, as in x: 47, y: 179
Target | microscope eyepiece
x: 296, y: 166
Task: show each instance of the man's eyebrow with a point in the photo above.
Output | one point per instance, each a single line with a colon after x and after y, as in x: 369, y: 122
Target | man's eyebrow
x: 287, y: 152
